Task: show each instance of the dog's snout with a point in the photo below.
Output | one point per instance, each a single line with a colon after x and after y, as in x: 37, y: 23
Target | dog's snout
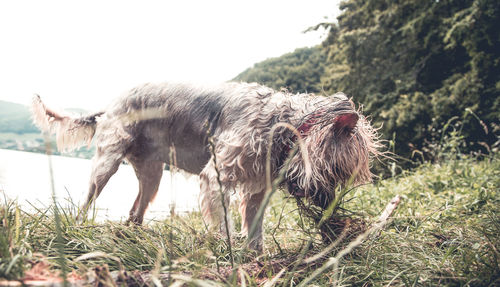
x: 322, y: 199
x: 295, y: 190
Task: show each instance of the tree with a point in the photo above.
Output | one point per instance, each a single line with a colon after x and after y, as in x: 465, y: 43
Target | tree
x: 413, y: 65
x: 416, y: 64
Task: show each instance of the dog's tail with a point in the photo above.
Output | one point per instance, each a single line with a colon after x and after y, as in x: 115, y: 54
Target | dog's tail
x: 71, y: 132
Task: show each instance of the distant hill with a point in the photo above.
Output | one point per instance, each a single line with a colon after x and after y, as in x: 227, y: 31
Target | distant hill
x: 299, y: 71
x: 18, y: 132
x: 15, y: 118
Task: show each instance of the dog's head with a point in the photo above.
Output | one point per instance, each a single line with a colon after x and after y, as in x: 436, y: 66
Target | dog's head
x: 338, y: 145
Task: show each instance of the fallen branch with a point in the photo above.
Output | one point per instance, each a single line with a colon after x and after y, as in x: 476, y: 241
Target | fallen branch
x: 384, y: 217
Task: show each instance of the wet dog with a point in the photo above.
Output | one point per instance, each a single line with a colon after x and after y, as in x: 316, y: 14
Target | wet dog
x: 148, y: 122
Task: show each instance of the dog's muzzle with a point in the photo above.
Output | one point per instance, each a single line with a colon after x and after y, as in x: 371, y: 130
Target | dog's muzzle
x: 295, y: 190
x: 319, y: 198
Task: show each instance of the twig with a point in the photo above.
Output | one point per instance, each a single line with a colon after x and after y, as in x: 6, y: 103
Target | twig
x: 389, y: 209
x: 226, y: 223
x: 172, y: 170
x: 273, y: 281
x: 273, y: 234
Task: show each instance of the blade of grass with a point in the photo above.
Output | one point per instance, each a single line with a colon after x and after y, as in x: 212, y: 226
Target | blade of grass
x: 59, y: 239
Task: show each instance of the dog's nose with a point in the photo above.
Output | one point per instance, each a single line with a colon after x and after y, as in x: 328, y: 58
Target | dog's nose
x: 294, y: 190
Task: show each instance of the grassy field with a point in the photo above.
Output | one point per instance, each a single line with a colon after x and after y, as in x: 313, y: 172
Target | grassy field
x: 445, y: 232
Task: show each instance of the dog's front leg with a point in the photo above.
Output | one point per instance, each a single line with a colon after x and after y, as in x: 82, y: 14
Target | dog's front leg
x: 215, y: 199
x: 252, y: 195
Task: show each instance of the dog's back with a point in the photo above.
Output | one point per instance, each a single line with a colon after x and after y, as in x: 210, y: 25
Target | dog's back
x: 158, y: 119
x: 152, y: 121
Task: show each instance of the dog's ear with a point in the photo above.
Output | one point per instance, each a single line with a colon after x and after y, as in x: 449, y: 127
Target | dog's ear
x: 345, y: 122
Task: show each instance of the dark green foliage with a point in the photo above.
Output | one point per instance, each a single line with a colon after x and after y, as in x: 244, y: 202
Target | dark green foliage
x: 299, y: 71
x: 414, y: 65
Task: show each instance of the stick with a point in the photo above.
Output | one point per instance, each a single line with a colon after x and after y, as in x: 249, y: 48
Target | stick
x: 384, y: 217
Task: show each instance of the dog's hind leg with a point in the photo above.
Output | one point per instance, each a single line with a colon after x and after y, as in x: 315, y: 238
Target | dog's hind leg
x: 104, y: 165
x: 149, y: 174
x: 249, y: 206
x: 213, y: 189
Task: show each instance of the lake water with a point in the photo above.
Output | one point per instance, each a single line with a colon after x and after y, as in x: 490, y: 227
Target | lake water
x: 25, y: 177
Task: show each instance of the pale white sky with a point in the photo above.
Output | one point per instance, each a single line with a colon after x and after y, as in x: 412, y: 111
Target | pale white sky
x: 85, y: 53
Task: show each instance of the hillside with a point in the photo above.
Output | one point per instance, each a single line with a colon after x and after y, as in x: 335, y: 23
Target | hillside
x: 415, y: 66
x: 15, y: 118
x: 306, y: 64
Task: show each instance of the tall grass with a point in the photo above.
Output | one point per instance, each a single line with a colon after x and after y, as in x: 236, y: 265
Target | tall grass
x: 446, y: 231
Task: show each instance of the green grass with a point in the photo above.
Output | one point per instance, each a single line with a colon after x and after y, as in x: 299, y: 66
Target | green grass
x: 445, y: 232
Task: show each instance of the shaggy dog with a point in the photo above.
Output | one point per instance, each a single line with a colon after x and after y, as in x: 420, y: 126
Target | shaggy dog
x: 147, y: 123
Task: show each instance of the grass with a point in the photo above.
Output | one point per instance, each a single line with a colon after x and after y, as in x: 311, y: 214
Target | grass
x: 446, y: 231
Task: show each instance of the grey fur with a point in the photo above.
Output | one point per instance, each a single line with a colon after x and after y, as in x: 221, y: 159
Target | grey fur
x: 147, y: 123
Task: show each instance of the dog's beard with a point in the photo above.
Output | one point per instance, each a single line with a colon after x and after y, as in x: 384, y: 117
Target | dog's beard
x: 320, y: 198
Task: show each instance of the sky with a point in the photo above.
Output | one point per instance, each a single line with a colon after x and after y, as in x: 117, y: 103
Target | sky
x: 82, y: 54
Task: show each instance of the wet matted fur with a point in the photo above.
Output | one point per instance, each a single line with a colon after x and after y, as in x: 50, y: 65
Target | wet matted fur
x: 144, y: 125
